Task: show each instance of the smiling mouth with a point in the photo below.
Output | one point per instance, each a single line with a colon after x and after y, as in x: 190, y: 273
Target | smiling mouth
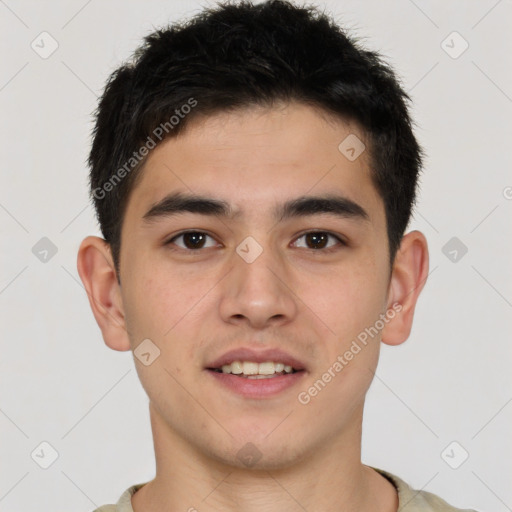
x: 253, y: 370
x: 258, y: 376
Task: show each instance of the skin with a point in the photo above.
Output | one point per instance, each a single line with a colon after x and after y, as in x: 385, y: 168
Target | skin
x: 312, y: 304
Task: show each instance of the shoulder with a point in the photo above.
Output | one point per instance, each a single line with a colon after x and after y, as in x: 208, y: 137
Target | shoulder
x: 428, y: 501
x: 412, y: 500
x: 124, y: 503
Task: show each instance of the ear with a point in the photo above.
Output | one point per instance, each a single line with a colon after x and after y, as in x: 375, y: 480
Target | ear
x: 97, y: 272
x: 410, y: 271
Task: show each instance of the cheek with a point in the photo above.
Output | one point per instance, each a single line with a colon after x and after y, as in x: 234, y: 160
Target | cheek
x: 167, y: 308
x: 348, y: 299
x: 150, y: 305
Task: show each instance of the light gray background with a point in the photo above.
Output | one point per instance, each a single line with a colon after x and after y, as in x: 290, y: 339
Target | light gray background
x: 449, y: 382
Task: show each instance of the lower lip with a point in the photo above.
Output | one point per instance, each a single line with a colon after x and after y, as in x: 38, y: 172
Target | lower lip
x: 257, y: 388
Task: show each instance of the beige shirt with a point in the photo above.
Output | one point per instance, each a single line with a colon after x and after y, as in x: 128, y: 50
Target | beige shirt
x: 409, y: 500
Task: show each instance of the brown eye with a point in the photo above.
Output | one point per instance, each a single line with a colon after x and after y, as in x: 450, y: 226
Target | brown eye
x: 318, y: 240
x: 192, y: 240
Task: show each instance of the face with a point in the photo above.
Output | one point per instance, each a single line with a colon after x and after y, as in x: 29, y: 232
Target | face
x: 306, y: 283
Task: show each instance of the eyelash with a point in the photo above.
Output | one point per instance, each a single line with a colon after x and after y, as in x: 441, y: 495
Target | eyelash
x: 342, y: 243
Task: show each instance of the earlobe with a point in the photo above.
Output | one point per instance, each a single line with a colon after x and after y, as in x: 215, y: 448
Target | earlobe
x: 96, y: 269
x: 410, y: 271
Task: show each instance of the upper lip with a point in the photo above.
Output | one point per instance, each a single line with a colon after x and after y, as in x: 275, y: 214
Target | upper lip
x: 249, y: 354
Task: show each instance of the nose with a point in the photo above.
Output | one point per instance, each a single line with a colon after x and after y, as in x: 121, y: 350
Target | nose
x: 258, y: 293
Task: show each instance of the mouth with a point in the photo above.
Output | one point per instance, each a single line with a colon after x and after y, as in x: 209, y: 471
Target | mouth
x: 247, y: 361
x: 251, y: 384
x: 255, y: 370
x: 256, y: 374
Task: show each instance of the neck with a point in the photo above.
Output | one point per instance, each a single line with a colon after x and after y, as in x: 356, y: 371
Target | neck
x: 330, y: 478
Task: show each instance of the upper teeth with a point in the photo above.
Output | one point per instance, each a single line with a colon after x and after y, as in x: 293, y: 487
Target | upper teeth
x: 251, y: 368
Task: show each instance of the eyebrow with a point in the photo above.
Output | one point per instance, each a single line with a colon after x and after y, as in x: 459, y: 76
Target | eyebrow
x: 333, y: 204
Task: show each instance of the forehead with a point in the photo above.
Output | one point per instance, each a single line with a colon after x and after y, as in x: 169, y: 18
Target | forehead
x: 254, y: 158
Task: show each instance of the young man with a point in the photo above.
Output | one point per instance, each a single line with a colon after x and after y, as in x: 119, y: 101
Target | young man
x: 253, y: 172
